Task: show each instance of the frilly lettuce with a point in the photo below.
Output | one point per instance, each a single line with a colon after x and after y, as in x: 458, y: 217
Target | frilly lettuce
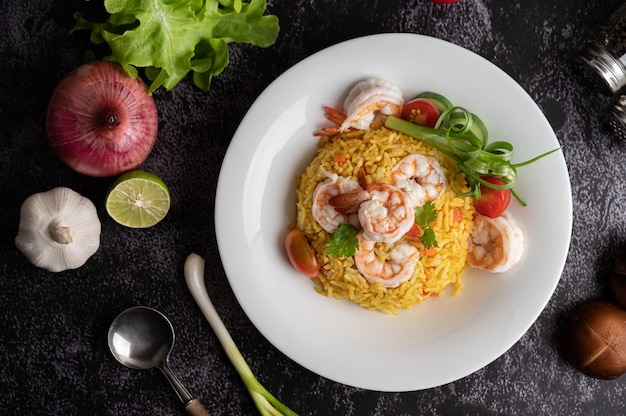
x: 168, y: 39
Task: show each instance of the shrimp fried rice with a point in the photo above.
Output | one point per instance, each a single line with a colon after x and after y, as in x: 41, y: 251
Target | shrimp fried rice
x: 374, y: 153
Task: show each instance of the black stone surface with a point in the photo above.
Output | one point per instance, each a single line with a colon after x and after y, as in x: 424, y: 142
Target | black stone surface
x: 54, y: 359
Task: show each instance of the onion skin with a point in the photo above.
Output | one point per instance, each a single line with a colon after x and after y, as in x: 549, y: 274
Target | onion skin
x: 100, y: 121
x: 594, y: 339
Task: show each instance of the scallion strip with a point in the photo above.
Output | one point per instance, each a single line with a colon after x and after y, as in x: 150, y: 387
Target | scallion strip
x: 474, y: 157
x: 266, y: 403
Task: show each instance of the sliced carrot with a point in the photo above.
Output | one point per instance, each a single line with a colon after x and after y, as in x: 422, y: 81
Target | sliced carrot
x: 457, y: 215
x: 429, y: 251
x: 340, y: 158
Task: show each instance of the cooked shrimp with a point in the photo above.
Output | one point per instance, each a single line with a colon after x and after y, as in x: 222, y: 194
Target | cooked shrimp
x: 323, y: 212
x: 397, y: 269
x: 421, y: 177
x: 496, y: 244
x: 387, y: 215
x: 369, y: 98
x: 349, y: 202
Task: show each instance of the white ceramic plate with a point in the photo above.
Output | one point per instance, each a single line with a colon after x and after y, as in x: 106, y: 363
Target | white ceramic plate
x: 443, y: 339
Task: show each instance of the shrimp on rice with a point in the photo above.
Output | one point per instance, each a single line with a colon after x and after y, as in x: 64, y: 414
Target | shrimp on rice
x: 420, y: 176
x: 397, y: 269
x: 387, y: 215
x: 368, y: 98
x: 323, y: 211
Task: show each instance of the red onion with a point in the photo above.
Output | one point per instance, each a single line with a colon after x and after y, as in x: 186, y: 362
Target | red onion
x: 100, y: 121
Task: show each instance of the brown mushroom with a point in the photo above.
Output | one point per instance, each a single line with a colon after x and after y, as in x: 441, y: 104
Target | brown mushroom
x: 594, y: 339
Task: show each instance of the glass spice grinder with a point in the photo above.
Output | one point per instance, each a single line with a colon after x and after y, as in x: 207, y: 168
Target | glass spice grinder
x: 617, y: 118
x: 602, y: 62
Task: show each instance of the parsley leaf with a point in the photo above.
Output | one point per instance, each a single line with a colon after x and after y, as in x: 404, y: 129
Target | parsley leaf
x: 344, y: 241
x: 429, y: 239
x: 426, y: 214
x: 169, y: 39
x: 424, y: 217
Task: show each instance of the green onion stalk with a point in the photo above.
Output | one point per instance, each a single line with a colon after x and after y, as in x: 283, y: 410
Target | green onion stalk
x: 266, y: 403
x: 463, y: 137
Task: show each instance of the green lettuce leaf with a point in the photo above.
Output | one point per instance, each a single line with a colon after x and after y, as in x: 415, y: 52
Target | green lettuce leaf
x: 169, y: 39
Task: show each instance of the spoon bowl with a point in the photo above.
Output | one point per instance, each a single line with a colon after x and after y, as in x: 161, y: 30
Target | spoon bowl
x: 142, y: 338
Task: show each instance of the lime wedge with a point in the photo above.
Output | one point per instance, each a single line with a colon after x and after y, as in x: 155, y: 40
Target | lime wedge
x: 138, y: 199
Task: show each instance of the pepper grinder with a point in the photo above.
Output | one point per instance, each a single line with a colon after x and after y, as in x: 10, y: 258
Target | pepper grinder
x: 602, y: 60
x: 617, y: 118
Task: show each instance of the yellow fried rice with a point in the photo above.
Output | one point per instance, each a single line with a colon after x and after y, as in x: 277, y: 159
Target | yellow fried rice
x: 376, y: 152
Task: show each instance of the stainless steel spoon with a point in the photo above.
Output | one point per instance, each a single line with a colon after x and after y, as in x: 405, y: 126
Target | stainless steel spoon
x: 141, y: 338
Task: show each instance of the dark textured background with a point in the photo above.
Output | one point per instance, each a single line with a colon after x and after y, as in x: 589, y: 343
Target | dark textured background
x: 53, y: 354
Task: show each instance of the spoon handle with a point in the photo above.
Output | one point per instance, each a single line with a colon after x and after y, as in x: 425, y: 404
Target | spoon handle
x: 195, y: 408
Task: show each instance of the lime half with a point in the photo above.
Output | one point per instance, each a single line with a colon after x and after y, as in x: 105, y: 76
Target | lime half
x: 138, y: 199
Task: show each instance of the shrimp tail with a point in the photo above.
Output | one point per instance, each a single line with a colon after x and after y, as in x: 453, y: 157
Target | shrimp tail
x: 348, y: 202
x: 327, y: 131
x: 363, y: 181
x: 334, y: 115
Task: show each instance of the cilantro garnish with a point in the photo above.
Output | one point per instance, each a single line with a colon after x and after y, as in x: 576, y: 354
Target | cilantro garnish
x: 424, y: 217
x: 344, y: 241
x: 429, y: 239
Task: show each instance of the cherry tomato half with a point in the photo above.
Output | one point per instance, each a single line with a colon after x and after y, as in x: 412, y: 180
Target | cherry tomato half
x: 301, y: 254
x: 492, y: 202
x: 421, y: 111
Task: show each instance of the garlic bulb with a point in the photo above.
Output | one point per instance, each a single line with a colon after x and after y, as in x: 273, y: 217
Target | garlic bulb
x: 59, y: 229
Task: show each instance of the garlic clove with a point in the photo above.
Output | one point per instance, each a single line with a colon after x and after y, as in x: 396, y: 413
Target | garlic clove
x: 59, y: 229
